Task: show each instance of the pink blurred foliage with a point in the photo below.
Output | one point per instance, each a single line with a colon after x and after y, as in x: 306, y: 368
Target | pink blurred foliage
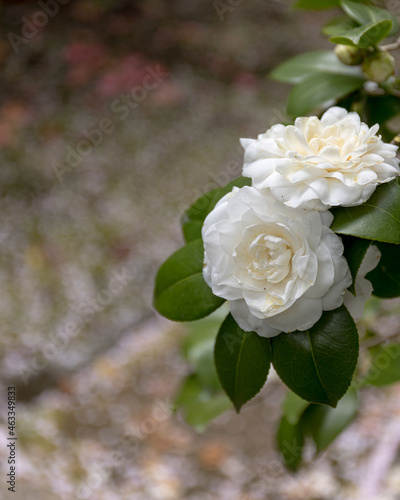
x: 84, y: 61
x: 14, y: 115
x: 123, y: 75
x: 88, y: 11
x: 120, y: 24
x: 246, y: 82
x: 169, y: 94
x: 110, y: 76
x: 194, y: 34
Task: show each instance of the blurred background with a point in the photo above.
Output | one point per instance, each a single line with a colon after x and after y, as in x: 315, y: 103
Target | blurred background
x: 115, y: 116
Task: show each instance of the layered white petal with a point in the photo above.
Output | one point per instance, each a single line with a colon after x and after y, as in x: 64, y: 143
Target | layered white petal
x: 280, y: 267
x: 316, y: 164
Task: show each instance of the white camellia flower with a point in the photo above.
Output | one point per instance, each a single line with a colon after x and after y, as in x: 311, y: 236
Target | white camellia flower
x: 279, y: 267
x: 317, y: 164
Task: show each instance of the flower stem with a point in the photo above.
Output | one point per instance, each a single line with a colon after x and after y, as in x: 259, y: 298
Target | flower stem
x: 391, y: 46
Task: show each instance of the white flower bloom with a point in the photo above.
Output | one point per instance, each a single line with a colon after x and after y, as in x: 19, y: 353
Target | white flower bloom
x: 363, y: 287
x: 279, y: 267
x: 317, y: 164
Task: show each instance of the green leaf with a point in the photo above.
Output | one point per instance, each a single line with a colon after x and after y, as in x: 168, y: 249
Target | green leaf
x: 201, y: 335
x: 193, y: 218
x: 318, y: 364
x: 338, y: 25
x: 325, y: 423
x: 290, y: 436
x: 299, y: 68
x: 385, y: 368
x: 367, y: 35
x: 348, y: 102
x: 199, y: 405
x: 319, y: 89
x: 181, y: 294
x: 316, y: 4
x: 364, y: 14
x: 242, y: 360
x: 381, y: 108
x: 198, y: 348
x: 354, y: 252
x: 290, y: 440
x: 293, y: 407
x: 385, y: 278
x: 377, y: 219
x: 201, y: 396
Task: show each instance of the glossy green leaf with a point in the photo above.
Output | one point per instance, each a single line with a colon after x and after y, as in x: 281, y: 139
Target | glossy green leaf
x: 293, y: 407
x: 385, y: 368
x: 338, y: 25
x: 193, y: 218
x: 377, y: 219
x: 318, y: 364
x: 354, y: 252
x: 324, y: 424
x: 299, y: 68
x: 290, y: 440
x: 199, y: 405
x: 364, y: 14
x: 367, y: 35
x: 319, y: 89
x: 316, y: 4
x: 385, y: 278
x: 242, y: 360
x: 181, y: 294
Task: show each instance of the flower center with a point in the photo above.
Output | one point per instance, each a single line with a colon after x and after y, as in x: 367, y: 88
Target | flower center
x: 265, y: 257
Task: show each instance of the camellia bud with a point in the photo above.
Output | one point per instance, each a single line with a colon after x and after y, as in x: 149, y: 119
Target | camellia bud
x: 378, y: 66
x: 349, y: 55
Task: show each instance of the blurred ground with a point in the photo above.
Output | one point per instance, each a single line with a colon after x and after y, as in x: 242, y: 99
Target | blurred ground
x: 85, y: 226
